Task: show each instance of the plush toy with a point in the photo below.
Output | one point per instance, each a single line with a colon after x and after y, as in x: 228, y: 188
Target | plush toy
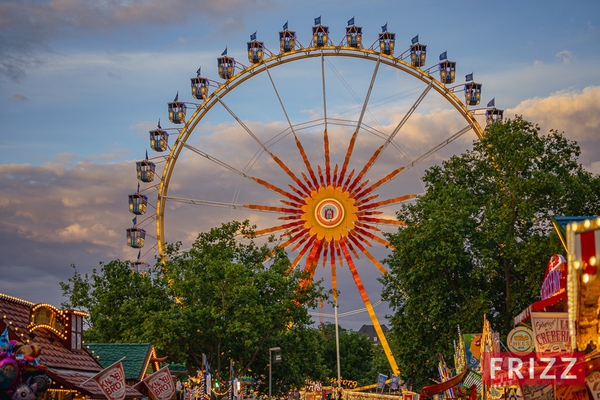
x: 10, y: 373
x: 24, y: 392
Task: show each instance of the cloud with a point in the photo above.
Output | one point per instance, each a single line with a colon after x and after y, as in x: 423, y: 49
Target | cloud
x: 566, y: 56
x: 574, y: 112
x: 29, y: 28
x: 18, y: 97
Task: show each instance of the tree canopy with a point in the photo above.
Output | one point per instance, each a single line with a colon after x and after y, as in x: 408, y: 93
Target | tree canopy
x: 225, y: 297
x: 477, y: 242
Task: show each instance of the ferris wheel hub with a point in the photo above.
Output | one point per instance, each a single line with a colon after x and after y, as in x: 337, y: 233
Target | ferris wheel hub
x: 329, y: 213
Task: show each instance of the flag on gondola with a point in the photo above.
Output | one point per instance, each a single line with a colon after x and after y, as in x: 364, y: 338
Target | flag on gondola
x: 112, y: 381
x: 161, y: 384
x: 176, y: 96
x: 198, y: 71
x: 318, y: 20
x: 139, y: 255
x: 381, y: 381
x: 351, y: 21
x: 134, y: 220
x: 224, y: 53
x: 138, y: 187
x: 492, y: 103
x: 469, y: 77
x: 394, y: 382
x: 415, y: 40
x: 444, y: 56
x: 253, y: 36
x: 285, y: 26
x: 384, y: 28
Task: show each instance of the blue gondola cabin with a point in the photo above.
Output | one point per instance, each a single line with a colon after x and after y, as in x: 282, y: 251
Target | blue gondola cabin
x: 138, y: 203
x: 354, y: 36
x: 386, y: 43
x: 256, y: 51
x: 320, y: 35
x: 472, y: 93
x: 136, y: 237
x: 177, y: 112
x: 145, y: 170
x: 418, y: 52
x: 199, y: 87
x: 447, y: 71
x: 287, y: 41
x: 159, y: 140
x: 493, y: 116
x: 226, y: 66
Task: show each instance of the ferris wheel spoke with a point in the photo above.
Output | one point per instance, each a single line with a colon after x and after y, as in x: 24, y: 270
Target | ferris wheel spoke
x: 394, y: 200
x: 310, y: 240
x: 325, y: 137
x: 264, y: 147
x: 370, y: 235
x: 363, y: 249
x: 278, y: 228
x: 358, y: 124
x: 384, y: 221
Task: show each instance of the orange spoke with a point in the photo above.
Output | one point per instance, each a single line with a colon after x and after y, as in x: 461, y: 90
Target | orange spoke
x: 294, y: 238
x: 278, y: 228
x: 321, y: 179
x: 276, y: 189
x: 366, y: 168
x: 373, y: 236
x: 369, y: 255
x: 306, y: 162
x: 298, y: 192
x: 367, y: 226
x: 308, y: 182
x: 302, y: 252
x: 333, y: 270
x: 350, y: 175
x: 313, y: 256
x: 289, y: 172
x: 383, y: 180
x: 384, y: 221
x: 274, y: 209
x: 290, y: 203
x: 388, y: 201
x: 335, y: 172
x: 366, y: 199
x: 361, y: 213
x: 289, y: 217
x: 347, y: 159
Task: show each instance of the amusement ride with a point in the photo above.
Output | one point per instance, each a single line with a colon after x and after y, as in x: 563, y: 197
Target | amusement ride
x: 304, y: 142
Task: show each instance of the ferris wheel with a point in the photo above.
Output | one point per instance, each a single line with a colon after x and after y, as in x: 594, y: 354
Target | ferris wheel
x: 318, y: 145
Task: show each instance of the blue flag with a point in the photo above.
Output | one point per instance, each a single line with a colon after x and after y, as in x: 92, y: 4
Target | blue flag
x: 318, y: 20
x: 198, y: 71
x: 381, y: 381
x: 224, y: 53
x: 469, y: 77
x: 492, y: 103
x: 351, y: 21
x: 139, y: 254
x: 415, y: 40
x: 159, y: 127
x: 176, y: 96
x: 394, y: 382
x: 444, y: 56
x: 253, y: 36
x: 138, y: 188
x: 146, y: 154
x: 384, y: 28
x: 134, y: 220
x: 285, y: 26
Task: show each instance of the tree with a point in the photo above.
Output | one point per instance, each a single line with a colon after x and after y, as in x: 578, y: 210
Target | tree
x: 228, y: 298
x: 477, y: 242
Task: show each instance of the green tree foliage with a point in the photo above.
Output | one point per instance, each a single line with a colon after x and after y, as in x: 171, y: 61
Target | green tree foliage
x: 478, y: 241
x: 225, y: 297
x: 356, y: 354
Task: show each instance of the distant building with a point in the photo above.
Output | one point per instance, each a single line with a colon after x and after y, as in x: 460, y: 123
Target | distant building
x: 369, y: 330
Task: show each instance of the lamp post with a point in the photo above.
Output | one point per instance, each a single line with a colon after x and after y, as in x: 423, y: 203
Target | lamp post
x: 272, y: 349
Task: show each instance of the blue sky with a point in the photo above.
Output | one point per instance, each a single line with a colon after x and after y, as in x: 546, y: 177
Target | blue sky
x: 81, y: 83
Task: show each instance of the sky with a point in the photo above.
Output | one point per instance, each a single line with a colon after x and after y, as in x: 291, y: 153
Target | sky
x: 82, y: 83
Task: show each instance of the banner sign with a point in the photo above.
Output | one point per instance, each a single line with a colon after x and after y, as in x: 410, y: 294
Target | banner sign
x: 381, y: 381
x: 112, y: 382
x: 551, y: 332
x: 160, y: 384
x: 555, y: 278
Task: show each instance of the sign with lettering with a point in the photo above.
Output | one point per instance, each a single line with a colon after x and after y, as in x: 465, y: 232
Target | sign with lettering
x: 161, y: 384
x: 551, y: 332
x: 112, y: 382
x: 555, y: 278
x: 520, y: 340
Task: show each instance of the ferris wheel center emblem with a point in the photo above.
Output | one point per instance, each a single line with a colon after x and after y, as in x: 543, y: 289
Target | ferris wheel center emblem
x: 329, y: 213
